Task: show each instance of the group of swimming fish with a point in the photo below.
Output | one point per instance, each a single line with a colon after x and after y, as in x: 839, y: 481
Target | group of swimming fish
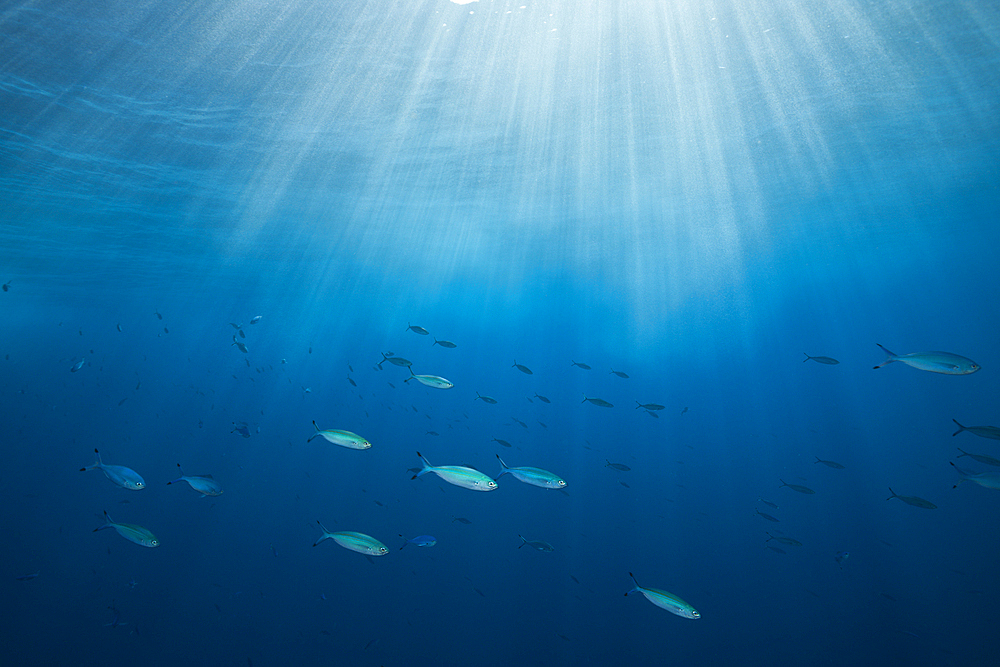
x: 129, y: 479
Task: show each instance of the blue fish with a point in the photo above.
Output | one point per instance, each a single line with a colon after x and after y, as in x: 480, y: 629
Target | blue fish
x: 421, y: 541
x: 841, y: 557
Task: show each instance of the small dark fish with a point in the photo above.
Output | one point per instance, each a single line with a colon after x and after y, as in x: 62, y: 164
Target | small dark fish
x: 991, y: 432
x: 444, y: 343
x: 889, y: 597
x: 600, y: 402
x: 122, y: 401
x: 542, y: 399
x: 620, y: 374
x: 485, y: 399
x: 523, y: 425
x: 157, y: 313
x: 581, y: 365
x: 913, y: 500
x: 648, y: 406
x: 784, y: 540
x: 536, y: 544
x: 523, y: 369
x: 796, y: 487
x: 625, y: 484
x: 841, y: 557
x: 768, y: 503
x: 831, y: 464
x: 349, y: 368
x: 310, y: 349
x: 766, y: 516
x: 543, y: 424
x: 432, y: 433
x: 241, y: 428
x: 829, y: 361
x: 353, y: 383
x: 503, y: 443
x: 776, y: 549
x: 574, y: 578
x: 415, y: 329
x: 166, y: 330
x: 461, y: 519
x: 479, y: 591
x: 119, y: 327
x: 616, y: 466
x: 369, y: 644
x: 6, y: 286
x: 652, y: 414
x: 684, y: 410
x: 28, y: 577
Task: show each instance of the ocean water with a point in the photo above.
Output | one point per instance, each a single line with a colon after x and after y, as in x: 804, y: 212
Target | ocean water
x: 693, y: 194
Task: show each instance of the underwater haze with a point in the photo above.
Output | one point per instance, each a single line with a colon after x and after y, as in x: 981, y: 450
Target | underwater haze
x: 261, y: 254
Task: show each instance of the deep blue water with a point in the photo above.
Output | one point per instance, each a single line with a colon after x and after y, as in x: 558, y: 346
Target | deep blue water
x: 693, y: 194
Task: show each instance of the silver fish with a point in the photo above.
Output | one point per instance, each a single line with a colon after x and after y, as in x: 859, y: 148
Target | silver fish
x: 485, y: 399
x: 620, y: 374
x: 533, y: 476
x: 829, y: 464
x: 935, y: 362
x: 522, y: 368
x: 982, y: 458
x: 797, y: 487
x: 648, y: 406
x: 988, y: 480
x: 120, y: 475
x: 467, y: 478
x: 913, y: 500
x: 534, y: 544
x: 829, y: 361
x: 130, y: 532
x: 341, y: 438
x: 581, y: 365
x: 415, y: 329
x: 444, y: 343
x: 991, y: 432
x: 434, y: 381
x: 203, y: 484
x: 665, y: 600
x: 598, y: 402
x: 363, y: 544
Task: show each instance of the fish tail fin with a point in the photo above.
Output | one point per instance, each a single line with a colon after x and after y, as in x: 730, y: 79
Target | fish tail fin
x: 181, y: 478
x: 427, y: 466
x: 964, y: 453
x: 818, y: 460
x: 326, y: 533
x: 960, y: 428
x: 108, y: 523
x: 503, y: 469
x: 96, y: 465
x: 807, y: 358
x: 405, y: 542
x: 964, y: 474
x: 523, y: 541
x: 638, y: 405
x: 309, y: 439
x: 637, y: 587
x: 894, y: 493
x: 783, y: 482
x: 889, y: 357
x: 432, y: 345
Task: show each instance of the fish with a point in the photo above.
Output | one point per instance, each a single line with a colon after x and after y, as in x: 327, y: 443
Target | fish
x: 540, y: 546
x: 420, y: 541
x: 28, y: 577
x: 542, y: 399
x: 363, y: 544
x: 829, y: 464
x: 523, y: 425
x: 988, y: 480
x: 443, y: 343
x: 665, y: 600
x: 78, y: 365
x: 395, y: 361
x: 415, y: 329
x: 648, y: 406
x: 982, y: 458
x: 935, y: 362
x: 796, y: 487
x: 652, y: 414
x: 236, y: 326
x: 784, y: 540
x: 829, y: 361
x: 351, y: 380
x: 120, y: 475
x: 132, y: 533
x: 467, y: 478
x: 256, y: 319
x: 485, y: 399
x: 616, y: 466
x: 6, y: 286
x: 241, y: 428
x: 991, y: 432
x: 768, y: 503
x: 341, y: 438
x: 766, y: 516
x: 503, y: 443
x: 433, y: 381
x: 581, y: 365
x: 776, y: 549
x: 600, y: 402
x: 619, y: 374
x: 461, y: 519
x: 240, y: 344
x: 684, y: 410
x: 534, y: 476
x: 913, y: 500
x: 203, y: 484
x: 841, y: 557
x: 119, y: 327
x: 157, y: 313
x: 522, y: 368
